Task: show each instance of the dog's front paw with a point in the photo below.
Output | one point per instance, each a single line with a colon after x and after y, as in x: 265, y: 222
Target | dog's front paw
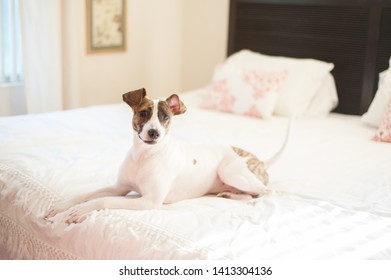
x: 76, y: 216
x: 50, y: 214
x: 57, y: 209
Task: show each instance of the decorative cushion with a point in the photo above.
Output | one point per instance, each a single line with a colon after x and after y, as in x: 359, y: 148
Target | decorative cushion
x: 383, y: 133
x: 245, y: 90
x: 325, y: 99
x: 303, y: 79
x: 377, y: 109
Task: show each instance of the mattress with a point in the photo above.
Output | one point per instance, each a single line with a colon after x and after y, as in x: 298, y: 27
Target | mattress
x: 329, y: 197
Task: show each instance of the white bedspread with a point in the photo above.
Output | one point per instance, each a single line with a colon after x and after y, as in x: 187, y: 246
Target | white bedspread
x: 330, y: 192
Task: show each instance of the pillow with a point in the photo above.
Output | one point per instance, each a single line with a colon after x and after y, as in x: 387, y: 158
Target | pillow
x: 378, y: 106
x: 382, y: 76
x: 248, y: 91
x: 325, y: 99
x: 383, y: 133
x: 304, y: 78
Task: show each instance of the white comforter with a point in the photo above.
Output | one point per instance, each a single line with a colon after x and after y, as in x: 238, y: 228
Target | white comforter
x: 330, y: 192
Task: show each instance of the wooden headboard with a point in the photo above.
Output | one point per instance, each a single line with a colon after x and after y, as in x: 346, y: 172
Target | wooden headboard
x: 353, y: 34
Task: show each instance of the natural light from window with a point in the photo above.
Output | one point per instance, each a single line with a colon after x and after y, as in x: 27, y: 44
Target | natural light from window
x: 10, y: 43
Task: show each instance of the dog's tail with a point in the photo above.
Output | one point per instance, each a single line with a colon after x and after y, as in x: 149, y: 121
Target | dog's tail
x: 269, y: 162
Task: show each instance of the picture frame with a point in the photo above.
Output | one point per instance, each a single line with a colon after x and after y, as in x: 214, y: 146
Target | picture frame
x: 106, y: 26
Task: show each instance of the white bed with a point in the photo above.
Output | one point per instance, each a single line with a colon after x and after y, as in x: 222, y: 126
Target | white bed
x: 330, y: 192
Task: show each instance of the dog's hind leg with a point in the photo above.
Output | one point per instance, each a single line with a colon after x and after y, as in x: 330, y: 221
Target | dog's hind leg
x: 235, y: 196
x: 244, y: 173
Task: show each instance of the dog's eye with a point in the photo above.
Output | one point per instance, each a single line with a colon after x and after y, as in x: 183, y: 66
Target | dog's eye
x: 165, y: 117
x: 143, y: 113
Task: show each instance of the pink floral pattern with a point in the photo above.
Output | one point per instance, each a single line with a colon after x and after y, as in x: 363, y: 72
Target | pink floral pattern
x: 253, y: 112
x: 263, y: 82
x: 220, y: 97
x: 383, y: 134
x: 251, y: 92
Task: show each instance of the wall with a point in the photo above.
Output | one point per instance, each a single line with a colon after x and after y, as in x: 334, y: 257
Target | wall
x: 204, y: 38
x: 172, y: 46
x: 154, y: 39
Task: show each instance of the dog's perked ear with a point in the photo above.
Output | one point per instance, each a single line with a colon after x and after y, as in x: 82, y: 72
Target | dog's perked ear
x: 135, y: 97
x: 176, y: 105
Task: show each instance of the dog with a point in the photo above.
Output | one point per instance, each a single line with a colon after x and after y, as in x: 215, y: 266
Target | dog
x: 163, y: 171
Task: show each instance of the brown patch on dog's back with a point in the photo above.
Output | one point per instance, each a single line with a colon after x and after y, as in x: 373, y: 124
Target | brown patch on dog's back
x: 242, y: 152
x: 256, y: 166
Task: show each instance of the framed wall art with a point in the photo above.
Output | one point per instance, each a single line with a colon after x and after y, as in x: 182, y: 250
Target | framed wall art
x: 106, y: 25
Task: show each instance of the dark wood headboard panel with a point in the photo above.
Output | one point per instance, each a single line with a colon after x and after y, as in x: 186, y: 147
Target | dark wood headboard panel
x: 353, y: 34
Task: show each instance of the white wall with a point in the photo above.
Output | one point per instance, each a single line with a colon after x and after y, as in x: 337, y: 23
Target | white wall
x: 172, y: 46
x: 154, y: 38
x: 204, y: 38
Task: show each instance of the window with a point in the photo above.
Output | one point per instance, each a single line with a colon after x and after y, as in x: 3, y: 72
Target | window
x: 10, y: 42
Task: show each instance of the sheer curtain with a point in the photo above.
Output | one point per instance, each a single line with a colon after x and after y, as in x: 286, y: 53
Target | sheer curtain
x: 10, y: 43
x: 42, y: 54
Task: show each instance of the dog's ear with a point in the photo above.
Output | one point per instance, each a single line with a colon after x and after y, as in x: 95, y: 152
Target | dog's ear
x: 135, y: 97
x: 176, y: 105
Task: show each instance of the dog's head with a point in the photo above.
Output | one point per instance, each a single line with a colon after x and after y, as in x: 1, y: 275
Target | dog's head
x: 152, y: 118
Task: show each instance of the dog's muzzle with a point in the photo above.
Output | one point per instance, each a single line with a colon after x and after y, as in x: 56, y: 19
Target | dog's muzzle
x: 153, y: 136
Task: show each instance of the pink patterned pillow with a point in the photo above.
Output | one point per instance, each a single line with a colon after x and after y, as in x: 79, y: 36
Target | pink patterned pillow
x: 298, y: 88
x: 383, y: 134
x: 251, y: 92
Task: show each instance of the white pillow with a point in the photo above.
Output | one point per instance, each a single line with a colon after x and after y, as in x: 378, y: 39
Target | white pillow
x: 303, y: 80
x: 325, y: 99
x: 382, y: 76
x: 376, y: 110
x: 383, y: 134
x: 248, y: 91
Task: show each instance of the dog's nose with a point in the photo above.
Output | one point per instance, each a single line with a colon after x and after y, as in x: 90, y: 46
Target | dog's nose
x: 153, y: 134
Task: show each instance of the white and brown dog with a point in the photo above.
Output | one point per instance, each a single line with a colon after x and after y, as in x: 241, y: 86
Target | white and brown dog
x: 163, y: 170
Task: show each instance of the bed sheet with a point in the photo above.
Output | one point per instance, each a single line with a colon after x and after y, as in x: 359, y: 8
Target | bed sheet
x: 330, y: 193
